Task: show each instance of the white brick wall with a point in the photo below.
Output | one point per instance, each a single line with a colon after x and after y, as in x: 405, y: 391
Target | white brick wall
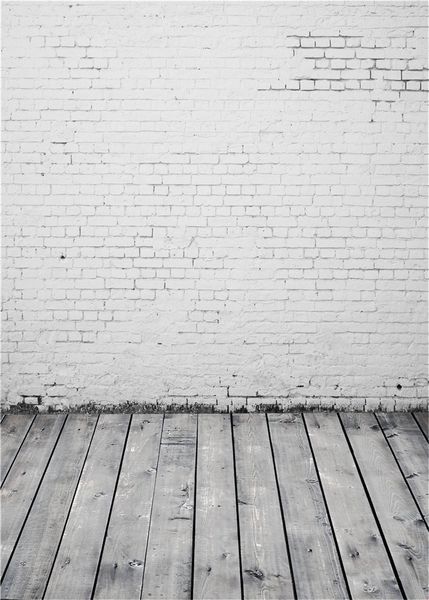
x: 215, y: 203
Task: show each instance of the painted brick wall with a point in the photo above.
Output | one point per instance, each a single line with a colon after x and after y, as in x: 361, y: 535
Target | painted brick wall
x: 215, y: 203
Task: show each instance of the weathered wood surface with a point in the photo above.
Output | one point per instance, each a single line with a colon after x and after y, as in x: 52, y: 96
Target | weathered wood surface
x: 422, y: 419
x: 264, y: 557
x: 24, y: 478
x: 216, y: 551
x: 32, y: 559
x: 309, y: 506
x: 76, y: 564
x: 365, y: 559
x: 315, y: 562
x: 13, y: 429
x: 400, y: 520
x: 168, y: 571
x: 122, y: 564
x: 412, y: 453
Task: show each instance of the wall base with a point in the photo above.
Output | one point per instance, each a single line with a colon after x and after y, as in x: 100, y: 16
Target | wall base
x: 235, y: 405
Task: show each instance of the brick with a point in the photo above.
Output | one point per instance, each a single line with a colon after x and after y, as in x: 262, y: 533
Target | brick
x: 415, y: 75
x: 231, y: 205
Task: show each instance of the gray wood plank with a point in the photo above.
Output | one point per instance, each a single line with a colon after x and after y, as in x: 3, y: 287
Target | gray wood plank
x: 315, y: 562
x: 403, y: 527
x: 75, y: 567
x: 29, y: 568
x: 121, y: 569
x: 422, y: 419
x: 216, y: 550
x: 23, y: 479
x: 364, y: 556
x: 412, y: 453
x: 168, y: 568
x: 264, y: 559
x: 13, y: 430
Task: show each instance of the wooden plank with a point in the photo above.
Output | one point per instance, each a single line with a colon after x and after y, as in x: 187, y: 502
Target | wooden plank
x: 75, y: 567
x: 28, y: 571
x: 422, y: 419
x: 23, y: 479
x: 216, y: 551
x: 315, y: 562
x: 168, y: 569
x: 264, y: 557
x: 364, y: 556
x: 412, y: 453
x: 13, y: 430
x: 400, y: 520
x: 121, y: 569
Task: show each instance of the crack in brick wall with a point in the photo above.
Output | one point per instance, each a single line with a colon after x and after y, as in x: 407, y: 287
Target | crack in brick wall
x: 216, y: 205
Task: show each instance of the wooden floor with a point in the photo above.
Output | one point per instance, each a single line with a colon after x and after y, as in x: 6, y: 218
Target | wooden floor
x: 213, y: 506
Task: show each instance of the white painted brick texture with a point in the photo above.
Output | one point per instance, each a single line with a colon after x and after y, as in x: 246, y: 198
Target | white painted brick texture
x: 215, y: 204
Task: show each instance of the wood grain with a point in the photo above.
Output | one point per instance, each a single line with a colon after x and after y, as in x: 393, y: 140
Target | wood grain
x: 13, y: 429
x: 400, y: 520
x: 28, y: 571
x: 412, y: 453
x: 363, y: 554
x: 315, y: 562
x: 216, y: 552
x: 168, y: 569
x: 75, y: 567
x: 422, y: 419
x: 121, y: 569
x: 23, y: 480
x: 264, y: 559
x: 107, y: 511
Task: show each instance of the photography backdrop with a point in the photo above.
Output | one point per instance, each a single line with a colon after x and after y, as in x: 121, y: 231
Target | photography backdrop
x: 214, y: 204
